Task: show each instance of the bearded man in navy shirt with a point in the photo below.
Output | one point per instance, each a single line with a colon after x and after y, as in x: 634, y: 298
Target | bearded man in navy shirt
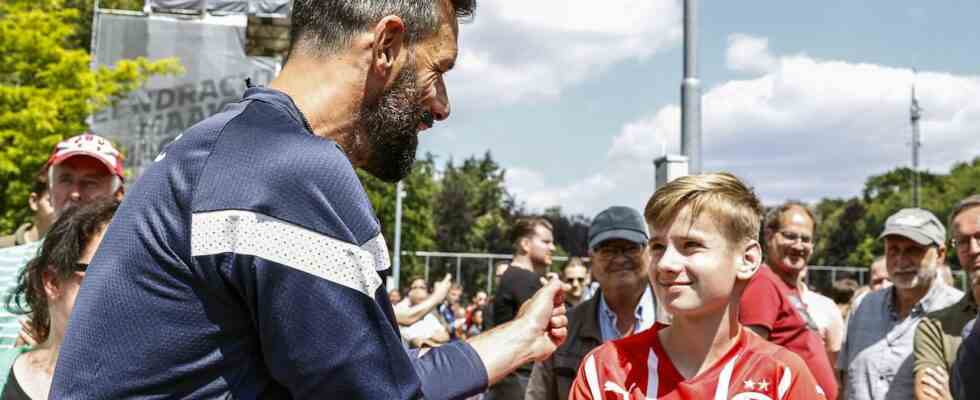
x: 245, y: 263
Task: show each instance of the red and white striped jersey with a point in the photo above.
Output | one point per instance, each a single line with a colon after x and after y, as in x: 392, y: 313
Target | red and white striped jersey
x: 638, y: 368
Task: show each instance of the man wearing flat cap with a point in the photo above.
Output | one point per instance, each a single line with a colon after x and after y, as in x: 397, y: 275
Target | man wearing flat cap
x: 624, y: 305
x: 876, y: 361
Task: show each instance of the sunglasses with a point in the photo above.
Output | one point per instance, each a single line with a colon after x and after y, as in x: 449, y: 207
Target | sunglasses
x: 609, y: 251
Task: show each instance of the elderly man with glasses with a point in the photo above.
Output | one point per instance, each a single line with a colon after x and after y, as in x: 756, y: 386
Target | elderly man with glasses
x: 624, y: 305
x: 772, y: 304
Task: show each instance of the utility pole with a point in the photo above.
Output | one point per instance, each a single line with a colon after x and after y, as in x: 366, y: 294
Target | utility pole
x: 691, y: 91
x: 398, y: 236
x: 915, y: 113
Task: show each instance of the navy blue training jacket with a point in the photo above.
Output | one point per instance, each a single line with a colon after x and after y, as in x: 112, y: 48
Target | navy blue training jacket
x: 245, y: 264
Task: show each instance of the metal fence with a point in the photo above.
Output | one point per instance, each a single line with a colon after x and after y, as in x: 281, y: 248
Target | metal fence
x: 464, y: 263
x: 819, y: 278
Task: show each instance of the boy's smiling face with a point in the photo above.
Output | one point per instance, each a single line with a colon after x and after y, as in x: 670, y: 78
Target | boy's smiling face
x: 695, y: 266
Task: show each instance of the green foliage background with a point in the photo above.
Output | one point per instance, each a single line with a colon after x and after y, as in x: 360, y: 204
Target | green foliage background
x: 47, y: 89
x: 848, y: 228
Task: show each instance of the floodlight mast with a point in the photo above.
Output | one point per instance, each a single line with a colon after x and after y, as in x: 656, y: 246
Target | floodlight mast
x: 691, y: 90
x: 915, y: 113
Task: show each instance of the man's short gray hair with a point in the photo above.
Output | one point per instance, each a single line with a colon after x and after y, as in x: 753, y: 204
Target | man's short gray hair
x: 324, y: 26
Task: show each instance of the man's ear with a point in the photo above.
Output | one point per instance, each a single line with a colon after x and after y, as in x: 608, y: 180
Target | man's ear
x: 749, y: 258
x: 389, y: 40
x: 524, y: 245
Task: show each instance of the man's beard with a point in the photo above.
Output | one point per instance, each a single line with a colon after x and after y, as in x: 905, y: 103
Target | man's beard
x: 922, y: 278
x: 391, y: 126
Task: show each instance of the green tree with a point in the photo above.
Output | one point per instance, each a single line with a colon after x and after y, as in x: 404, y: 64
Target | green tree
x: 838, y: 232
x: 418, y: 225
x: 47, y: 89
x: 472, y: 215
x: 571, y: 232
x: 849, y: 229
x: 469, y: 215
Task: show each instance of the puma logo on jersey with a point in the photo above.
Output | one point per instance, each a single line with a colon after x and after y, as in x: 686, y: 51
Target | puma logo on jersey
x: 613, y: 387
x: 751, y: 396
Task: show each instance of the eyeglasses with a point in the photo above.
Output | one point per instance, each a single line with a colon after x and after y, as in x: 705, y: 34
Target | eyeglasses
x: 81, y: 267
x: 964, y: 242
x: 632, y: 250
x: 793, y: 237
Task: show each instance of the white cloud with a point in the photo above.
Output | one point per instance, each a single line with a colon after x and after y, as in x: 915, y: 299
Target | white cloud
x: 531, y: 188
x: 523, y: 51
x: 803, y: 128
x: 748, y: 53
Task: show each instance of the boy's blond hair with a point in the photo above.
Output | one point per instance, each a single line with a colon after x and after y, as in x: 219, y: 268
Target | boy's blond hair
x: 731, y: 202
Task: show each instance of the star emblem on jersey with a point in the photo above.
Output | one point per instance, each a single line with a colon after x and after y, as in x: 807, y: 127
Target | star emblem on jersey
x: 761, y: 385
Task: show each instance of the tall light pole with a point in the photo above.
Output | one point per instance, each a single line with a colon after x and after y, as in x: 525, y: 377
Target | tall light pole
x: 398, y: 236
x: 915, y: 113
x: 691, y: 91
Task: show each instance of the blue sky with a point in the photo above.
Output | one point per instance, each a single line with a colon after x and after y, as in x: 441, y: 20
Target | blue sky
x: 802, y: 99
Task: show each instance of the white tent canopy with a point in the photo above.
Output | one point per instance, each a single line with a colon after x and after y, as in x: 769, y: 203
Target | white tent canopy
x: 250, y: 7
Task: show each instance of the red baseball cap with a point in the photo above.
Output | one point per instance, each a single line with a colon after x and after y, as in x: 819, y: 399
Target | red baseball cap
x: 89, y: 145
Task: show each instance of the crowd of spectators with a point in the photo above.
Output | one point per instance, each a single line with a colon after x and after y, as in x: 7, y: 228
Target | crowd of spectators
x: 896, y: 337
x: 73, y: 199
x: 445, y: 314
x: 899, y: 336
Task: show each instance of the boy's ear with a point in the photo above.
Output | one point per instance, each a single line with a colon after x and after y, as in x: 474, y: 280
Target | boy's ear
x: 749, y: 259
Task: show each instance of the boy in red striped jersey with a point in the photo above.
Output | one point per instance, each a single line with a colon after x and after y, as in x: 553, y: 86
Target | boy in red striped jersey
x: 704, y: 248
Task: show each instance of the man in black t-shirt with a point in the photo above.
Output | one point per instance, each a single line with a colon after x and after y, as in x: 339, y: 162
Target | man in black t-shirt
x: 533, y: 244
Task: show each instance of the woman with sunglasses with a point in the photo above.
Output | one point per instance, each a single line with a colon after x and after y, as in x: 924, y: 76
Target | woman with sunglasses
x: 45, y: 293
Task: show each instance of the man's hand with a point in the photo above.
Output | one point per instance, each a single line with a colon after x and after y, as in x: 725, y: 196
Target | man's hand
x: 934, y: 384
x: 554, y: 275
x: 406, y: 316
x: 544, y: 318
x: 441, y: 288
x: 538, y: 329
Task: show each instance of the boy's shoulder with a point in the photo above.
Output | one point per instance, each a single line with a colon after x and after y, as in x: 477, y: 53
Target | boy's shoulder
x: 630, y: 345
x: 764, y: 350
